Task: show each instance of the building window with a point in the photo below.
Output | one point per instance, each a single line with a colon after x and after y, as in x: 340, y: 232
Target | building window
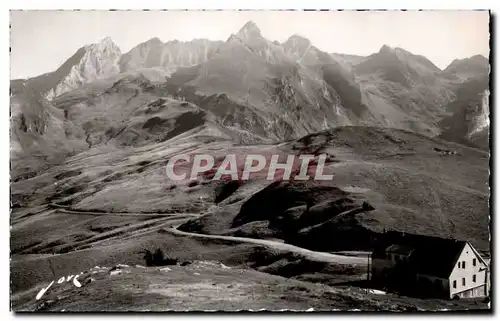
x: 463, y: 281
x: 455, y: 284
x: 474, y: 278
x: 474, y: 262
x: 463, y: 264
x: 458, y: 264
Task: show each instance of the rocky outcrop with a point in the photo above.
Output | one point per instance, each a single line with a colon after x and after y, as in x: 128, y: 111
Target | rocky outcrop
x: 168, y: 56
x: 468, y: 122
x: 91, y: 62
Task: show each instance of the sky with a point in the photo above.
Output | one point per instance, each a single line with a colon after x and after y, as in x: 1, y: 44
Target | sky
x: 42, y: 40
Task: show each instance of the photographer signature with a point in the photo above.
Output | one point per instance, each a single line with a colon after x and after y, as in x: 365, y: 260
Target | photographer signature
x: 60, y: 281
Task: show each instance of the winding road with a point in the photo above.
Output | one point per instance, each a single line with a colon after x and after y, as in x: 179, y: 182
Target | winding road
x: 311, y: 255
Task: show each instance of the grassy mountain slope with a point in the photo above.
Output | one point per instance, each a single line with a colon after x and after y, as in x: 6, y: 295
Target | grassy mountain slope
x: 414, y: 183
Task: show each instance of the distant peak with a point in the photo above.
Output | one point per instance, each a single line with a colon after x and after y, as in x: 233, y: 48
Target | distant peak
x: 250, y: 25
x: 154, y: 41
x: 298, y: 40
x: 386, y: 48
x: 475, y: 58
x: 107, y: 40
x: 399, y: 49
x: 479, y: 63
x: 250, y: 29
x: 479, y: 58
x: 105, y: 44
x: 297, y: 45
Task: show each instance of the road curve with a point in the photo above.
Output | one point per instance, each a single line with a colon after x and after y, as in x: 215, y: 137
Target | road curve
x: 311, y: 255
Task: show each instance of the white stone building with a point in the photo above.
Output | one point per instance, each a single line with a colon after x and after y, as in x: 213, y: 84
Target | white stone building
x: 430, y: 266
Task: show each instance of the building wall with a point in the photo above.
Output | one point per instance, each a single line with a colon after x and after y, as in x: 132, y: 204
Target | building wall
x: 391, y: 271
x: 390, y: 260
x: 479, y: 291
x: 458, y: 274
x: 438, y: 287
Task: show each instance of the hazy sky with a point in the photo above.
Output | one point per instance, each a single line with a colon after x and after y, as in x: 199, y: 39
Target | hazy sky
x: 42, y: 40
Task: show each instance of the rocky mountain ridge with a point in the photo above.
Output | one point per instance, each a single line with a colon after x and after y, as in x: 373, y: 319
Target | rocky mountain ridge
x: 89, y: 63
x: 278, y: 91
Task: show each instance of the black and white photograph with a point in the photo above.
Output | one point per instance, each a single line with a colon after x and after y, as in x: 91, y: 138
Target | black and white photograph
x: 250, y: 160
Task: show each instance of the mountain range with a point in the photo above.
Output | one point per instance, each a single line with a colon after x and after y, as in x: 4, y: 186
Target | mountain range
x: 247, y: 89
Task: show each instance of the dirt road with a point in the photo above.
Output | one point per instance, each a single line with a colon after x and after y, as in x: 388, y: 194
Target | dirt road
x: 312, y: 255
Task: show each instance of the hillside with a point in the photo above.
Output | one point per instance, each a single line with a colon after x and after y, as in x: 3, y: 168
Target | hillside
x: 406, y: 89
x: 209, y: 286
x: 122, y: 202
x: 40, y: 135
x: 409, y: 183
x: 413, y: 183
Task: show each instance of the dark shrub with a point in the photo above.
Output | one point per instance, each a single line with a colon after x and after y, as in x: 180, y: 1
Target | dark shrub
x: 158, y: 258
x: 192, y: 183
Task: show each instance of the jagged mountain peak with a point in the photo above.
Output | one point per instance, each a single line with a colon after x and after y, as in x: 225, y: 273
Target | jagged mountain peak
x: 297, y: 41
x: 107, y: 41
x: 168, y: 55
x: 105, y: 45
x: 150, y: 43
x: 395, y: 52
x: 90, y: 62
x: 300, y: 48
x: 386, y: 49
x: 406, y: 57
x: 154, y: 41
x: 249, y: 30
x: 400, y: 66
x: 392, y: 53
x: 403, y: 51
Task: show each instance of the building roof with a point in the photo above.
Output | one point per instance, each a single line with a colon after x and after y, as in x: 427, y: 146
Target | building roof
x: 400, y: 249
x: 437, y: 261
x: 431, y: 255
